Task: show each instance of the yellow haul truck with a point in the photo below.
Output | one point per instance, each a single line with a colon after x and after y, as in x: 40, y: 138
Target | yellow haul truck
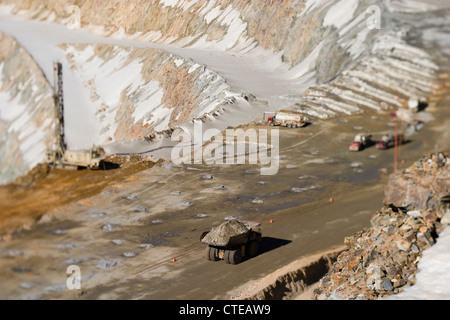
x: 232, y: 241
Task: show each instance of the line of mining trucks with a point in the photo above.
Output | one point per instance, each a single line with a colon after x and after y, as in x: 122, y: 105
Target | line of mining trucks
x: 291, y: 119
x: 361, y: 141
x: 364, y: 140
x: 410, y: 116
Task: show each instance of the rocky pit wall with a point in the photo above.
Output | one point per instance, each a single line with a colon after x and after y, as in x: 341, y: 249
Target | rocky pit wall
x: 26, y: 111
x: 355, y: 69
x: 382, y: 260
x: 239, y: 25
x: 138, y: 92
x: 378, y: 82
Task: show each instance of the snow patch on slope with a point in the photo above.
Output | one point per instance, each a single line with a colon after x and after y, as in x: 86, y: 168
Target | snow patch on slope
x: 433, y: 278
x: 119, y: 89
x: 109, y: 80
x: 340, y: 13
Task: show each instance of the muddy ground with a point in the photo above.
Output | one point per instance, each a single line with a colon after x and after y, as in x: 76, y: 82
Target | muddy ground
x: 30, y: 197
x: 135, y: 233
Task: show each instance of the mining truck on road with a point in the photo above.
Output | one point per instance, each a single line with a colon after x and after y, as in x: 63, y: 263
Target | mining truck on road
x: 361, y: 141
x: 232, y: 241
x: 287, y: 119
x: 388, y: 141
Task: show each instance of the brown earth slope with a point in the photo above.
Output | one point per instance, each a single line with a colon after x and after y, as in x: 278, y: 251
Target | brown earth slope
x: 45, y: 188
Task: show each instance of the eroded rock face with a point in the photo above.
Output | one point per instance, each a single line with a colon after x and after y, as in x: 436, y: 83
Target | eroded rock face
x: 26, y: 111
x: 138, y: 92
x: 423, y: 185
x: 238, y: 24
x: 328, y: 43
x: 383, y: 259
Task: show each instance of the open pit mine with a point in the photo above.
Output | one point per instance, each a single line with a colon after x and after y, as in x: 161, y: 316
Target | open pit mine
x: 224, y: 149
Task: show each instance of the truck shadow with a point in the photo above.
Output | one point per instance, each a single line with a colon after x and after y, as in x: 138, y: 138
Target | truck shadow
x: 109, y: 166
x: 104, y: 166
x: 400, y: 143
x: 268, y: 244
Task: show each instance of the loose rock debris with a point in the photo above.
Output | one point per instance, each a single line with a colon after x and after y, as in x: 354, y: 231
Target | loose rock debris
x: 383, y: 259
x: 380, y: 260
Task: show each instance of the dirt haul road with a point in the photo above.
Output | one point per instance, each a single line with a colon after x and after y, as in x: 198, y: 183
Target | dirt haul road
x: 124, y: 239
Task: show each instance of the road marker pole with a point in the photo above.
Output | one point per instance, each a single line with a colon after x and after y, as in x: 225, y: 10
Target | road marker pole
x: 395, y: 144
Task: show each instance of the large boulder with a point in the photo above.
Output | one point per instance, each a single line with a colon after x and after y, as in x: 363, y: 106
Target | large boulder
x: 422, y: 186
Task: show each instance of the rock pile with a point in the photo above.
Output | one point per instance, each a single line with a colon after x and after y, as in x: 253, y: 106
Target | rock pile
x: 422, y: 185
x: 432, y: 163
x: 382, y: 260
x: 221, y: 235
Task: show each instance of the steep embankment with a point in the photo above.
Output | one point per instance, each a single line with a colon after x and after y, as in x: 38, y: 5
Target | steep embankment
x: 138, y: 92
x: 288, y: 282
x: 26, y: 111
x: 383, y: 260
x: 357, y: 66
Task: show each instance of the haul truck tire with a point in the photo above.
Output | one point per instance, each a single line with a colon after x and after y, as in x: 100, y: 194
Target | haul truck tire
x: 211, y: 253
x: 233, y: 256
